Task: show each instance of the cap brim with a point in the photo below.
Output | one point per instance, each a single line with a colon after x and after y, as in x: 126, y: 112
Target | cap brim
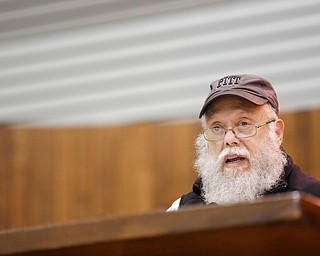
x: 258, y: 100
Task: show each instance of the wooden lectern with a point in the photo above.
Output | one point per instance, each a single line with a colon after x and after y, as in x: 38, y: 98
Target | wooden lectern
x: 284, y: 224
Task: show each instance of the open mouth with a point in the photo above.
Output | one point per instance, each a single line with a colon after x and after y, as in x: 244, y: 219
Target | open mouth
x: 234, y: 159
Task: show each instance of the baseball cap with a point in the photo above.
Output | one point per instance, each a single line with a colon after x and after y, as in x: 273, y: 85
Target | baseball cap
x: 250, y: 87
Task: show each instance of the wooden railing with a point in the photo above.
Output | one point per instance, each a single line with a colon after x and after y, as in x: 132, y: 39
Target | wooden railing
x: 284, y: 224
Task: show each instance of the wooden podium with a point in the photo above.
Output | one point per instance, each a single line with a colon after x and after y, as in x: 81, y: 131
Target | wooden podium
x: 284, y: 224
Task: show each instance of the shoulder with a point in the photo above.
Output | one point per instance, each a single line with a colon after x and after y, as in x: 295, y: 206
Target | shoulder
x: 302, y: 181
x: 186, y: 200
x: 190, y: 199
x: 193, y: 197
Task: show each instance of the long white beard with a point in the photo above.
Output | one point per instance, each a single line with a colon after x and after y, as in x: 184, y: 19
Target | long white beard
x: 230, y: 185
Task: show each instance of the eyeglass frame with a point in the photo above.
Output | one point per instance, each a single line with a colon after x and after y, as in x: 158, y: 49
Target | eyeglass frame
x: 231, y: 129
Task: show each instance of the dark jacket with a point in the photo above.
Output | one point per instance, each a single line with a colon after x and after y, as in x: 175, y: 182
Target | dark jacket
x: 294, y: 180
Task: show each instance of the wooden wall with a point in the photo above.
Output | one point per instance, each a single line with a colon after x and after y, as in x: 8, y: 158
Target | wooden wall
x: 56, y: 175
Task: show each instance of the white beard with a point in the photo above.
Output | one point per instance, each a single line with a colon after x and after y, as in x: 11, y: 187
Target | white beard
x: 231, y: 185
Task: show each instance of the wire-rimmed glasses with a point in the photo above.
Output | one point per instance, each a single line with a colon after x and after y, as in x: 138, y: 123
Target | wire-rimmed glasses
x: 243, y: 130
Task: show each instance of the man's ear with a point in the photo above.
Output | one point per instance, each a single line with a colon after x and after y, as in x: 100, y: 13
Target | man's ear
x: 280, y: 130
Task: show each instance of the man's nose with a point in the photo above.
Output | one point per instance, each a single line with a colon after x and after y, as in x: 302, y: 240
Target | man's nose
x: 230, y: 138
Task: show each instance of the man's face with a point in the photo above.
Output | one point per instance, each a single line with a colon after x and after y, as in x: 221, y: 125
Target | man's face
x: 228, y: 112
x: 238, y: 169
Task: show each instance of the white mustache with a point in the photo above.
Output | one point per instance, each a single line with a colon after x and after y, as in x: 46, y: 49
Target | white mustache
x: 233, y: 151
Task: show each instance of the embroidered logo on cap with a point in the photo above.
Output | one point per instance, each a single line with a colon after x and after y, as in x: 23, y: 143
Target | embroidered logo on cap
x: 227, y: 81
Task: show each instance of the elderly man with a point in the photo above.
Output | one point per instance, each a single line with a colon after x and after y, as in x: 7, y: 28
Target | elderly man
x: 239, y: 151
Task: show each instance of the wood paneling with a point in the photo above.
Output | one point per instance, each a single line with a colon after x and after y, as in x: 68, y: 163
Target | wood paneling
x: 56, y: 175
x: 302, y: 139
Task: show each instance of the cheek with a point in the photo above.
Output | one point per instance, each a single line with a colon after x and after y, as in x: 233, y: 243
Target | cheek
x: 214, y: 149
x: 254, y: 145
x: 252, y: 148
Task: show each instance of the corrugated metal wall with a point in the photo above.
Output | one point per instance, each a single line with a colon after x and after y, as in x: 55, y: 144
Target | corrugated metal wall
x: 101, y: 62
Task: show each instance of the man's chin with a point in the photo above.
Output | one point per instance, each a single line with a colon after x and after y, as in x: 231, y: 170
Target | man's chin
x: 234, y: 171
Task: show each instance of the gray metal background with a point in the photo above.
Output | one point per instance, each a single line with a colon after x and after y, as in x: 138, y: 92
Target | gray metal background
x: 100, y: 62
